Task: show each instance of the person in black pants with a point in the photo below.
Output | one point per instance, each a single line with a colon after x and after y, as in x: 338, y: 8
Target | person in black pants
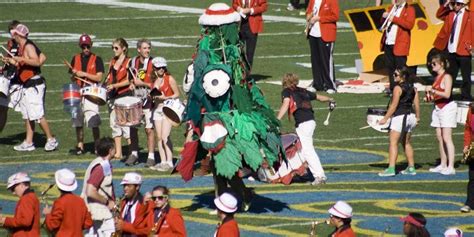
x: 468, y: 135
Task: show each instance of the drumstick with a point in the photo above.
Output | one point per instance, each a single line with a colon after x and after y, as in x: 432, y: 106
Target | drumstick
x: 8, y: 52
x: 85, y: 81
x: 326, y: 122
x: 365, y: 127
x: 68, y: 64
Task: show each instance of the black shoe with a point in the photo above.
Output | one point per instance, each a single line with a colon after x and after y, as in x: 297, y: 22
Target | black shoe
x: 77, y: 151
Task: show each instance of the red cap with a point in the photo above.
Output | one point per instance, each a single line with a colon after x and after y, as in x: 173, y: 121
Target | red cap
x: 85, y: 40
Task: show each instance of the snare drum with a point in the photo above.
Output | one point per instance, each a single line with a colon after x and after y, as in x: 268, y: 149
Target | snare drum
x: 295, y: 165
x: 461, y: 114
x: 71, y: 98
x: 173, y: 110
x: 4, y: 86
x: 128, y: 111
x: 95, y: 93
x: 374, y: 115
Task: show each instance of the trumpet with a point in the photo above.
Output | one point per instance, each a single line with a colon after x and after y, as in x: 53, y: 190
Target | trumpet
x: 312, y: 232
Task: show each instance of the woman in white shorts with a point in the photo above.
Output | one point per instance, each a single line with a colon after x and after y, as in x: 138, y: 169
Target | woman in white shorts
x: 404, y: 120
x: 443, y: 117
x: 168, y: 88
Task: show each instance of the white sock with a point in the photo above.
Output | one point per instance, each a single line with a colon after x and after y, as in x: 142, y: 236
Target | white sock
x: 151, y: 156
x: 135, y: 153
x: 170, y: 163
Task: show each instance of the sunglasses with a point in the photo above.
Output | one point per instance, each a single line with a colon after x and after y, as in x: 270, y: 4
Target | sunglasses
x: 457, y: 3
x: 85, y: 46
x: 161, y: 198
x: 396, y: 75
x: 159, y: 68
x: 434, y: 63
x: 115, y: 48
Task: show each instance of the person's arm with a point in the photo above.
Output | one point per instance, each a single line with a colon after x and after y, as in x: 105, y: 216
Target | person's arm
x: 54, y: 219
x: 467, y: 131
x: 397, y: 92
x: 448, y: 85
x: 284, y: 107
x: 333, y: 15
x: 174, y: 88
x: 323, y: 98
x: 176, y: 222
x: 30, y: 57
x: 407, y: 22
x: 260, y: 8
x: 87, y: 221
x: 42, y: 59
x: 416, y: 102
x: 24, y: 215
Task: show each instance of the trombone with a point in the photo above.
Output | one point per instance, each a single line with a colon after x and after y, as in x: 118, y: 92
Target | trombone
x: 387, y: 21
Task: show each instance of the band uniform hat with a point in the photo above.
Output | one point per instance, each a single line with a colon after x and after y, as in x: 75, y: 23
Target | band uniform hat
x: 65, y: 180
x: 226, y: 203
x: 21, y: 30
x: 461, y: 1
x: 159, y: 62
x: 85, y: 39
x: 219, y: 14
x: 131, y: 178
x: 17, y: 178
x: 341, y: 209
x: 453, y: 232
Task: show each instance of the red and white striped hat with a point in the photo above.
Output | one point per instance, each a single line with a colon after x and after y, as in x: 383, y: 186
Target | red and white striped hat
x: 341, y: 209
x: 219, y: 14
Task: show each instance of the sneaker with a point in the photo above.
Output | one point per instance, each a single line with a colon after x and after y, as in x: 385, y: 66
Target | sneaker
x: 163, y: 167
x: 245, y: 206
x: 387, y: 173
x: 51, y: 145
x: 311, y: 89
x: 290, y: 7
x: 448, y: 171
x: 331, y: 91
x: 319, y: 181
x: 24, y: 147
x: 79, y: 151
x: 213, y: 212
x: 437, y: 169
x: 302, y: 13
x: 465, y: 209
x: 150, y: 163
x: 409, y: 171
x: 131, y: 160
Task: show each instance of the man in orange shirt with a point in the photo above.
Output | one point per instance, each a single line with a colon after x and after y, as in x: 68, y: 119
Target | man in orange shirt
x: 321, y: 16
x: 455, y: 38
x: 226, y: 207
x: 26, y: 221
x: 396, y: 37
x: 251, y: 23
x: 69, y: 215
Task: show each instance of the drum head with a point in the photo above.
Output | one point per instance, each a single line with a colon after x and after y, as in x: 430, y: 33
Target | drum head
x: 289, y: 140
x: 95, y: 99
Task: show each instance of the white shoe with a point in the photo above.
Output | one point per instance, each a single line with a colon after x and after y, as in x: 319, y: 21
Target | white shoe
x: 331, y: 91
x: 51, y: 145
x: 213, y: 212
x: 465, y: 209
x: 163, y: 167
x: 448, y: 171
x: 311, y: 89
x: 437, y: 169
x: 319, y: 181
x: 290, y: 7
x: 24, y: 147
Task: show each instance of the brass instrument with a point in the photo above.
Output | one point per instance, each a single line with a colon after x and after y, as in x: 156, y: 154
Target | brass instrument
x: 45, y: 203
x: 468, y: 157
x: 116, y: 215
x: 156, y: 227
x: 387, y: 21
x: 312, y: 232
x: 386, y: 231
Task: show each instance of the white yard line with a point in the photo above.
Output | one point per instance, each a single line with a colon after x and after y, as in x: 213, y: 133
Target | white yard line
x: 160, y: 7
x: 376, y: 137
x: 104, y: 18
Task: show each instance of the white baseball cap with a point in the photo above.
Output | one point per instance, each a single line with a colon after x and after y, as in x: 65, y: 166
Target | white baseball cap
x: 341, y: 209
x: 159, y: 62
x: 65, y: 180
x: 453, y: 232
x: 21, y: 30
x: 461, y: 1
x: 17, y: 178
x: 226, y: 203
x: 131, y: 178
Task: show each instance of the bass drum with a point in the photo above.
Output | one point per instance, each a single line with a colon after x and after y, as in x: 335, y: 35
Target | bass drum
x: 173, y: 110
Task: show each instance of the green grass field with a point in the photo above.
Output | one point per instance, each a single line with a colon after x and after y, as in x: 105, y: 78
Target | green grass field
x: 377, y: 202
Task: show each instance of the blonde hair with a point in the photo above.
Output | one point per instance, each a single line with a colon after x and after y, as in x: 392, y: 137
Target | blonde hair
x: 123, y: 44
x: 290, y: 80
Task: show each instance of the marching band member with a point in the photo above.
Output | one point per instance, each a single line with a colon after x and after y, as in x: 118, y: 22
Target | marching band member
x: 251, y: 23
x: 468, y: 139
x: 98, y: 191
x: 341, y: 218
x: 133, y: 207
x: 69, y: 215
x: 321, y: 17
x: 168, y: 88
x: 297, y: 101
x: 87, y: 66
x: 162, y: 220
x: 28, y: 64
x: 453, y: 232
x: 142, y: 84
x: 404, y: 120
x: 26, y: 221
x: 400, y: 19
x: 118, y: 86
x: 455, y: 37
x: 226, y: 207
x: 443, y: 118
x: 414, y: 225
